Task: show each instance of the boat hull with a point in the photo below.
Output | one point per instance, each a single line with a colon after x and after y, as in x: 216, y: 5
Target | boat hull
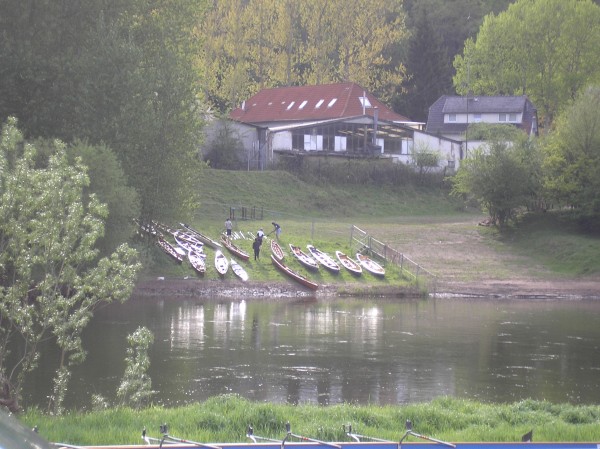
x: 370, y: 265
x: 276, y: 250
x: 304, y: 258
x: 293, y: 274
x: 234, y: 249
x: 349, y: 264
x: 324, y: 259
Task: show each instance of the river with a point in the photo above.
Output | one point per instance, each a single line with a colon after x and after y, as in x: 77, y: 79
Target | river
x: 361, y: 351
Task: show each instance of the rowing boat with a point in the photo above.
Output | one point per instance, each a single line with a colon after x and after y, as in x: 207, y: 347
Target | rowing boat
x: 348, y: 263
x: 221, y: 262
x: 294, y: 274
x: 197, y: 261
x: 370, y: 265
x: 234, y: 249
x: 277, y: 250
x: 304, y: 258
x: 238, y: 270
x: 324, y: 259
x: 202, y: 237
x: 169, y: 249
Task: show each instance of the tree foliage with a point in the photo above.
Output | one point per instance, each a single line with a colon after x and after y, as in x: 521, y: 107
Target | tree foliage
x: 572, y: 161
x: 119, y: 74
x: 51, y: 277
x: 503, y: 177
x: 546, y: 49
x: 135, y: 389
x: 249, y: 45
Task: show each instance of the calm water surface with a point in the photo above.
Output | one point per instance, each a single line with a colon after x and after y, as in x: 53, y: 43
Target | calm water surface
x: 346, y: 350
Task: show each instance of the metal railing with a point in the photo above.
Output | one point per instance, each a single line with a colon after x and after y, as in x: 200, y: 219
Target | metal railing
x: 361, y: 241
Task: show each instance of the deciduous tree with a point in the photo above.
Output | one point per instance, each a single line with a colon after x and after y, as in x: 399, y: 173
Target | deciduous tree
x: 546, y: 49
x: 572, y: 161
x: 51, y: 277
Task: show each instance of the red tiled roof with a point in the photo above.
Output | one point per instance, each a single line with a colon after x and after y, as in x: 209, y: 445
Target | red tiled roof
x: 310, y: 103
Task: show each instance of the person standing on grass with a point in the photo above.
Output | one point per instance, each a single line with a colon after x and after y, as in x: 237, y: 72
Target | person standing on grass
x: 228, y: 227
x: 277, y: 229
x: 260, y: 234
x: 256, y: 247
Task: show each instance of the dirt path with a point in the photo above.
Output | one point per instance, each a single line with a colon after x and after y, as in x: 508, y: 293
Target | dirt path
x: 465, y: 263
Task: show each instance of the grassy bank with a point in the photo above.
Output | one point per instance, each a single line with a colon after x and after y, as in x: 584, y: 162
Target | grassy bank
x: 423, y: 223
x: 225, y: 419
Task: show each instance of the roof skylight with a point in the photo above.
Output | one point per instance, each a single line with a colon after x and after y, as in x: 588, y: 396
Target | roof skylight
x: 303, y: 104
x: 332, y: 102
x: 319, y: 104
x: 290, y: 106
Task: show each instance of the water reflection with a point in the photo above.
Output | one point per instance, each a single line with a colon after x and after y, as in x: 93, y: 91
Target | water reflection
x: 354, y: 351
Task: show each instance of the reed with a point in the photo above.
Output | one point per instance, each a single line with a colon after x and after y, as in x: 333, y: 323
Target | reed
x: 226, y: 418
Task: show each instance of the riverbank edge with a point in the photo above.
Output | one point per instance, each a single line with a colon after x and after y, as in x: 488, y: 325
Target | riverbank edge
x: 491, y: 289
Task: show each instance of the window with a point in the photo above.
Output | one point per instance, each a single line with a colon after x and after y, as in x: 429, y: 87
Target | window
x: 340, y: 143
x: 502, y: 117
x: 477, y: 118
x: 451, y: 117
x: 512, y: 117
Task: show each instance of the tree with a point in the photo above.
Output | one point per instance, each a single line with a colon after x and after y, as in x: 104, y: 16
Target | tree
x: 502, y: 178
x: 249, y: 45
x: 136, y: 386
x: 120, y: 74
x: 425, y: 159
x: 51, y: 277
x: 546, y: 49
x: 429, y: 69
x: 572, y: 161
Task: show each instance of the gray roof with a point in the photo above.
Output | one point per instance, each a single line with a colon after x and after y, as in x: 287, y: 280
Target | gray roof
x: 478, y: 104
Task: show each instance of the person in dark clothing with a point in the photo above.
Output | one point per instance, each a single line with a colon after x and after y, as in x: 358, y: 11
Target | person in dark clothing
x: 277, y: 229
x: 256, y: 247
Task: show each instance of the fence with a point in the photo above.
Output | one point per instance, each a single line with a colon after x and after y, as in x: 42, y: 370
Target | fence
x: 363, y: 242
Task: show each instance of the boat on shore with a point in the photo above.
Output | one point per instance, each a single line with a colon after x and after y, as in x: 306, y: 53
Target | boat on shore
x: 221, y: 262
x: 324, y: 259
x: 238, y: 270
x: 304, y: 258
x: 197, y: 261
x: 234, y: 249
x: 348, y: 263
x: 202, y: 237
x: 294, y: 274
x: 169, y: 249
x: 370, y: 265
x: 276, y: 250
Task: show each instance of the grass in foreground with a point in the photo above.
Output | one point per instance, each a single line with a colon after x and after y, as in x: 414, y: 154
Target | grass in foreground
x: 226, y: 418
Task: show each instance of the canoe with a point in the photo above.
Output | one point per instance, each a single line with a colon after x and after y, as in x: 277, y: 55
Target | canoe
x: 238, y: 270
x: 197, y: 261
x: 293, y: 274
x: 221, y: 262
x: 348, y: 263
x: 370, y: 265
x: 304, y: 258
x: 202, y: 237
x: 234, y: 249
x: 324, y: 259
x: 169, y: 249
x: 277, y: 250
